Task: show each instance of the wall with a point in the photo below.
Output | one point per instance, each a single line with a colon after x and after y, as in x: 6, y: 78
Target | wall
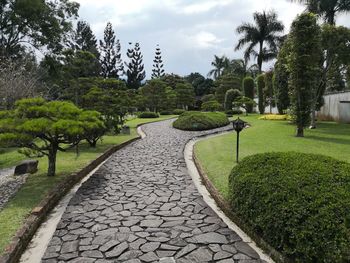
x: 334, y: 110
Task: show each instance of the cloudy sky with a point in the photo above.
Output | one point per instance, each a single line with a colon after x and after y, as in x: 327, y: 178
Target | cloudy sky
x: 189, y: 32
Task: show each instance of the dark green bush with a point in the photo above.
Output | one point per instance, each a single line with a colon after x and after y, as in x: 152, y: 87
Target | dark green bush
x: 178, y: 111
x: 299, y: 203
x: 199, y: 121
x: 148, y: 114
x: 166, y: 112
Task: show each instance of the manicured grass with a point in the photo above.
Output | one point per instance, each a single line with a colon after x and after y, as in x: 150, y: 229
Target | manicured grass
x: 38, y: 184
x: 217, y: 155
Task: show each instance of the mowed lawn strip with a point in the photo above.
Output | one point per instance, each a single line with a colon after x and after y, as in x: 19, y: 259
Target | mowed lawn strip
x: 38, y: 184
x: 217, y: 155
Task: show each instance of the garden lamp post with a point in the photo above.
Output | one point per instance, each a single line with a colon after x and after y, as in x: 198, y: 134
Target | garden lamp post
x: 238, y: 126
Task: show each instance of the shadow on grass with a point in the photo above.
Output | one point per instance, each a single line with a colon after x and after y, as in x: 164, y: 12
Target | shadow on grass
x: 328, y: 139
x: 332, y: 128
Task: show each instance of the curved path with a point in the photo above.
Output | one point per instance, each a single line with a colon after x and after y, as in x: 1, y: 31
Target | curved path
x: 142, y: 206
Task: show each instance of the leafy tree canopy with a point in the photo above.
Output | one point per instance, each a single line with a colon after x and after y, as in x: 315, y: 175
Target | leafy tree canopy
x: 35, y: 23
x: 44, y: 128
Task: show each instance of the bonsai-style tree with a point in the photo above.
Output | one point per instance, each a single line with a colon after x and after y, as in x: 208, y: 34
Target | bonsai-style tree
x: 43, y: 128
x: 245, y: 103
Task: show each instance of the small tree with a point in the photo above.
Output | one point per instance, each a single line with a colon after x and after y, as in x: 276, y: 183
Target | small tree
x: 248, y: 88
x: 17, y: 80
x: 44, y: 128
x: 224, y: 83
x: 261, y: 87
x: 154, y: 94
x: 208, y: 97
x: 230, y: 96
x: 112, y: 103
x: 170, y: 102
x: 268, y: 92
x: 245, y: 103
x: 212, y: 106
x: 135, y: 69
x: 184, y: 95
x: 158, y: 71
x: 280, y: 78
x: 111, y: 62
x: 305, y: 68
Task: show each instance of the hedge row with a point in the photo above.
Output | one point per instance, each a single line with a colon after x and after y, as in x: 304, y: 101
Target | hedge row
x: 199, y: 121
x: 298, y: 203
x: 148, y: 114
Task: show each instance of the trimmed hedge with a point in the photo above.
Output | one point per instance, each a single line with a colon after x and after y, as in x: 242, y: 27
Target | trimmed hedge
x: 298, y: 203
x: 200, y: 121
x: 148, y: 115
x: 178, y: 111
x: 165, y: 112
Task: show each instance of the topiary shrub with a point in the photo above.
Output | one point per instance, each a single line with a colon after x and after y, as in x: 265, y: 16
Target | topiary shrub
x: 212, y: 106
x: 199, y: 121
x: 166, y: 112
x: 178, y: 111
x: 299, y: 203
x: 148, y: 115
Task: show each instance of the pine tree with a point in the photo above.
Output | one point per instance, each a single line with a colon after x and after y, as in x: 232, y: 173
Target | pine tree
x: 135, y: 68
x: 158, y: 65
x: 85, y: 40
x: 111, y: 63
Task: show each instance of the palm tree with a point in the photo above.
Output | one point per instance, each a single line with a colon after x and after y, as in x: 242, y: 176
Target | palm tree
x: 265, y: 30
x: 327, y: 9
x: 240, y: 67
x: 219, y: 64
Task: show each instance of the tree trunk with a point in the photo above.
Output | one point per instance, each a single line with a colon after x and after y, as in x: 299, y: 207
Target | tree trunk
x: 92, y: 143
x: 313, y: 119
x: 260, y: 57
x: 52, y: 161
x: 300, y: 131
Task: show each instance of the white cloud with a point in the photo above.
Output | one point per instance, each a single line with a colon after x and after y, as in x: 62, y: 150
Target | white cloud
x: 205, y: 39
x: 189, y: 32
x: 206, y: 6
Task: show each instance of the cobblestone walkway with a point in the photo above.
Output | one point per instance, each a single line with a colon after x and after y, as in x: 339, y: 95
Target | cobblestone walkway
x: 142, y: 206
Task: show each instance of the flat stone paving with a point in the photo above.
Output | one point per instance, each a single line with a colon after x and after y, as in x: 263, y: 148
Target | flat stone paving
x: 142, y: 206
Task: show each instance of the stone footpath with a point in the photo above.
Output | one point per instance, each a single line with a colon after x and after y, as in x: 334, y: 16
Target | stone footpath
x: 9, y: 185
x: 142, y: 206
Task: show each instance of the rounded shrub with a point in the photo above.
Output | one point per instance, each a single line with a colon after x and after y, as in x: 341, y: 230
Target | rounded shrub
x: 166, y: 112
x: 199, y: 121
x: 178, y: 111
x: 148, y: 114
x: 299, y: 203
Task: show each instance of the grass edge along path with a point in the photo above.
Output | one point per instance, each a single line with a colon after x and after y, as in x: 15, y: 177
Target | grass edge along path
x: 217, y: 154
x: 38, y: 185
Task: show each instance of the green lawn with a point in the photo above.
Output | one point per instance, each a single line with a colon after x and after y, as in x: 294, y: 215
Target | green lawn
x: 217, y: 155
x: 38, y: 185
